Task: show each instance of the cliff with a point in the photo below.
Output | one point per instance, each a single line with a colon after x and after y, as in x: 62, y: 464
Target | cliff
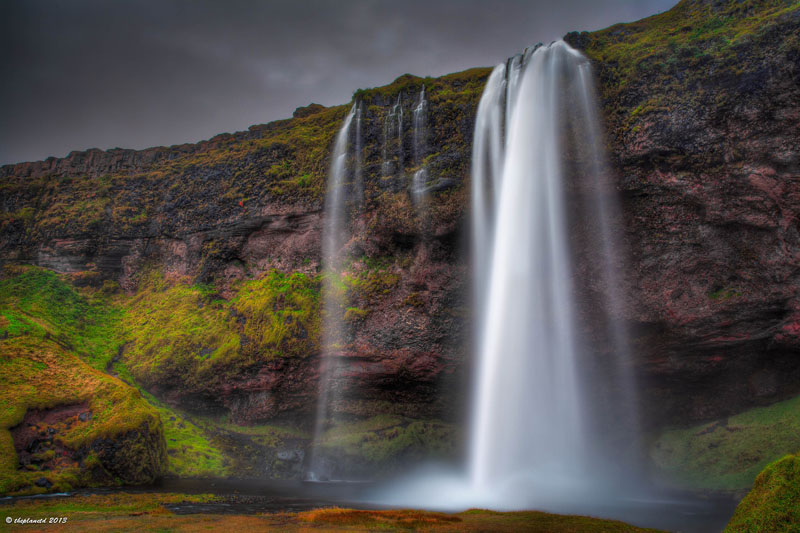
x: 703, y: 112
x: 216, y: 246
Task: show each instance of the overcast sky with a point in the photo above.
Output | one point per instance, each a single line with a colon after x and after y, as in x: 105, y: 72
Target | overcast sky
x: 78, y: 74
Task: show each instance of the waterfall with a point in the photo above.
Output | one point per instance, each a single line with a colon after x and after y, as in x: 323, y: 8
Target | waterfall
x: 400, y: 152
x: 334, y: 238
x: 487, y: 169
x: 420, y: 127
x: 531, y: 423
x: 419, y: 182
x: 393, y: 128
x: 358, y: 172
x: 553, y: 417
x: 527, y: 412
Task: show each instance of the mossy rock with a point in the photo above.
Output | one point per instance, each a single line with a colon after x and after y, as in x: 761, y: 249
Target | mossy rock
x: 774, y: 502
x: 186, y: 336
x: 64, y: 424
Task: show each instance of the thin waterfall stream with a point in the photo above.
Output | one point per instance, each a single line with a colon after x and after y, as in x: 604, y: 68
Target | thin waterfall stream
x: 335, y: 236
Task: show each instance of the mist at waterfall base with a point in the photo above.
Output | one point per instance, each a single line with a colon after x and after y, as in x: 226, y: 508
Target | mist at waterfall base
x: 553, y: 420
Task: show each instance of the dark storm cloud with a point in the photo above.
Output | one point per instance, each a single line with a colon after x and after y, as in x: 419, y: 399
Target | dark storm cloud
x: 79, y: 74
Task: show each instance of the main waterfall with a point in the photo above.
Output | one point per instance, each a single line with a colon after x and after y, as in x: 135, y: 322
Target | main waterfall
x: 533, y: 424
x: 553, y: 422
x: 528, y: 414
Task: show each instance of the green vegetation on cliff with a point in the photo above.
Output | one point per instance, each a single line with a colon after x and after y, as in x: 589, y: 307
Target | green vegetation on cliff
x: 189, y: 335
x: 664, y: 61
x: 37, y: 302
x: 190, y: 451
x: 53, y: 344
x: 729, y: 454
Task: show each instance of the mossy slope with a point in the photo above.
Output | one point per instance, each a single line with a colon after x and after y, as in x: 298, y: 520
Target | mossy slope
x: 38, y: 374
x: 56, y: 341
x: 774, y: 502
x: 728, y: 454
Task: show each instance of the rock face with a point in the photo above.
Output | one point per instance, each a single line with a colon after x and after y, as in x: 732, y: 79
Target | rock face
x: 704, y: 129
x: 702, y: 105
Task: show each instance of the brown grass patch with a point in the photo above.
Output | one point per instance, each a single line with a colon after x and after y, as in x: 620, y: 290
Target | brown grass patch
x: 404, y: 518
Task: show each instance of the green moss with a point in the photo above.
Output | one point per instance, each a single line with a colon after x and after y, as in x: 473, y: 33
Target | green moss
x: 187, y: 334
x: 354, y: 314
x: 368, y: 280
x: 38, y: 302
x: 728, y: 454
x: 774, y: 502
x: 190, y: 452
x: 281, y: 313
x: 382, y: 439
x: 722, y: 295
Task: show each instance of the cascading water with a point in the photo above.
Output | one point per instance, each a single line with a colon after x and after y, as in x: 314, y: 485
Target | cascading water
x: 358, y: 171
x: 532, y: 427
x: 393, y: 128
x: 420, y: 127
x: 419, y: 182
x: 527, y: 418
x: 335, y: 236
x: 538, y: 171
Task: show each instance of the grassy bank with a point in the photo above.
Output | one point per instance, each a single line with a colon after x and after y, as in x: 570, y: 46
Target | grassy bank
x: 148, y: 512
x: 728, y: 454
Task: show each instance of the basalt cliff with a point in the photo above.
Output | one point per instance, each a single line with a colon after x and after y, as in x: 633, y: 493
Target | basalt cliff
x: 192, y: 272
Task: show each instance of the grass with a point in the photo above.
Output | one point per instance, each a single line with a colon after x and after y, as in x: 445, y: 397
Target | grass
x: 728, y: 454
x: 39, y: 374
x: 37, y: 302
x: 146, y: 512
x: 55, y: 342
x: 190, y: 451
x: 401, y: 519
x: 774, y: 502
